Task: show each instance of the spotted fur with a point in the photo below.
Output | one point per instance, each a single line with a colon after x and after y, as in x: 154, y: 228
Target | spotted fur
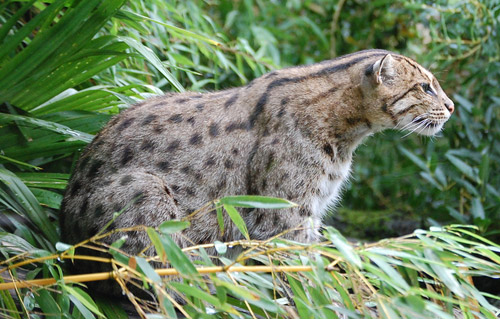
x: 288, y: 134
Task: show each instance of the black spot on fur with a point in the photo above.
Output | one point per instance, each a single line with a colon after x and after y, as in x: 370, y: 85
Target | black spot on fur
x: 200, y: 107
x: 230, y: 101
x: 191, y: 120
x: 332, y: 177
x: 249, y: 179
x: 75, y: 187
x: 127, y: 156
x: 276, y: 220
x: 175, y: 188
x: 117, y: 207
x: 140, y: 219
x: 275, y: 141
x: 98, y: 211
x: 258, y: 220
x: 259, y: 107
x: 164, y: 166
x: 126, y: 123
x: 94, y: 168
x: 125, y: 180
x: 304, y: 212
x: 84, y: 207
x: 228, y: 164
x: 158, y: 129
x: 177, y: 118
x: 235, y: 151
x: 264, y: 183
x: 173, y: 146
x: 281, y: 112
x: 236, y: 126
x: 195, y: 139
x: 213, y: 130
x: 181, y: 101
x: 138, y: 198
x: 186, y: 169
x: 270, y: 161
x: 147, y: 145
x: 83, y: 162
x: 221, y: 185
x: 327, y: 148
x: 190, y: 191
x: 210, y: 161
x: 148, y: 119
x: 353, y: 120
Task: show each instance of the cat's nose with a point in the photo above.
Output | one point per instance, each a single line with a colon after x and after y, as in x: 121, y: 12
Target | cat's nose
x: 449, y: 105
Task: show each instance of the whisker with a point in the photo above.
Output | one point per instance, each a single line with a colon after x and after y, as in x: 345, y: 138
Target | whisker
x: 412, y: 122
x: 418, y: 125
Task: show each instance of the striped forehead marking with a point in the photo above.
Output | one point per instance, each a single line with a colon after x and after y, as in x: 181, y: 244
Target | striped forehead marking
x: 430, y: 77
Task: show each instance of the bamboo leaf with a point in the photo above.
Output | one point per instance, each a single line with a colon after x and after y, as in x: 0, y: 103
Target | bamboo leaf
x: 37, y: 51
x: 28, y: 204
x: 343, y: 246
x: 415, y: 159
x: 84, y: 298
x: 173, y: 226
x: 179, y: 31
x: 444, y: 273
x: 177, y: 258
x: 12, y: 41
x: 148, y: 270
x: 237, y: 220
x: 466, y: 169
x: 254, y: 201
x: 155, y: 239
x: 55, y: 127
x: 151, y: 57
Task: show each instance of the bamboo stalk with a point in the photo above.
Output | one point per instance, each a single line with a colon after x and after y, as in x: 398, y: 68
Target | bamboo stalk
x: 162, y: 272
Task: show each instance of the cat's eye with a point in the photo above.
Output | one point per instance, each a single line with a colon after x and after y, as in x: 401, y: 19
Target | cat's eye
x: 428, y: 89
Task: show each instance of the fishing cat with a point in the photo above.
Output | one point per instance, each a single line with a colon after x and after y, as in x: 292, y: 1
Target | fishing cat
x: 289, y: 134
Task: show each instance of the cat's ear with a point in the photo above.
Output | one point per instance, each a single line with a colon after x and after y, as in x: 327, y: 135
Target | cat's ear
x: 383, y: 70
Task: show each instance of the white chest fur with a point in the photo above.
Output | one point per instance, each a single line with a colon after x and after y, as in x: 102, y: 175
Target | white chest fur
x: 329, y: 187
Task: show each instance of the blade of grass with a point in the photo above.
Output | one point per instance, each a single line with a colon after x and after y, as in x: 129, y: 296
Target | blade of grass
x: 30, y: 206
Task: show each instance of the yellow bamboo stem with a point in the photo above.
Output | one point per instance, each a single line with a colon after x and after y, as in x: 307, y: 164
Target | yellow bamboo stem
x: 162, y: 272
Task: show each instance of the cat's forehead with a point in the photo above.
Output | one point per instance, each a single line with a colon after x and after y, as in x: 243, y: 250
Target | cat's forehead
x: 421, y: 73
x: 430, y: 77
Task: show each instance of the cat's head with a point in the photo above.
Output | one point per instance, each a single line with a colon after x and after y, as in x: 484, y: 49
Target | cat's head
x: 412, y: 99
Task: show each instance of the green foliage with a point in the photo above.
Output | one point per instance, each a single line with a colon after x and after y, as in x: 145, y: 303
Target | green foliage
x: 67, y: 66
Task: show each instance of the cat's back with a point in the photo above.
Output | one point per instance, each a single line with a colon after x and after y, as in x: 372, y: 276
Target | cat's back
x: 185, y: 142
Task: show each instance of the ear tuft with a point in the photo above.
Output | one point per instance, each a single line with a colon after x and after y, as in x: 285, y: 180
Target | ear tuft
x: 383, y: 69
